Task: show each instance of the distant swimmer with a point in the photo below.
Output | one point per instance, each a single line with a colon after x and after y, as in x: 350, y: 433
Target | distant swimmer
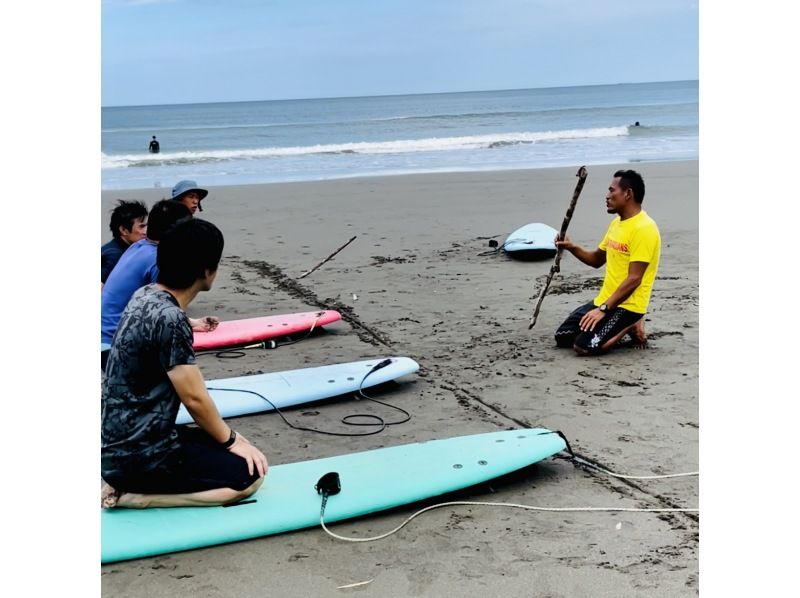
x: 155, y: 147
x: 636, y: 124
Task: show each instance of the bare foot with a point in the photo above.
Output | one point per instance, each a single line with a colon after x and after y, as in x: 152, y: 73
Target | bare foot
x: 638, y: 335
x: 109, y: 496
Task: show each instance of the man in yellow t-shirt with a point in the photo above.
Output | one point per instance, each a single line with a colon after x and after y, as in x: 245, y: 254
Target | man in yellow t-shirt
x: 630, y: 250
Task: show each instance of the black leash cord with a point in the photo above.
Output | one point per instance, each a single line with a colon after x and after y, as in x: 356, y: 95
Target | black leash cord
x: 493, y: 251
x: 376, y: 420
x: 236, y: 352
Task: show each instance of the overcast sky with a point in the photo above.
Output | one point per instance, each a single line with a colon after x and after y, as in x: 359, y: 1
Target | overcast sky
x: 181, y: 51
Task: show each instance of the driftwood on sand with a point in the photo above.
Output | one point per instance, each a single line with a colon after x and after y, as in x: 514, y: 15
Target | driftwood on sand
x: 330, y: 257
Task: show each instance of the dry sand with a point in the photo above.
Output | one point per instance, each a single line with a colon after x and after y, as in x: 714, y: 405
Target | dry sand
x: 413, y: 284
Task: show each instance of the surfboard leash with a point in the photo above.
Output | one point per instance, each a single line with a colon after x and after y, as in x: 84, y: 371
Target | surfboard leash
x: 268, y: 344
x: 497, y: 248
x: 583, y: 462
x: 330, y: 485
x: 376, y: 420
x: 497, y: 504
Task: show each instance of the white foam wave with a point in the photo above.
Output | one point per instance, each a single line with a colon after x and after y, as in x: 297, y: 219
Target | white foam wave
x: 403, y: 146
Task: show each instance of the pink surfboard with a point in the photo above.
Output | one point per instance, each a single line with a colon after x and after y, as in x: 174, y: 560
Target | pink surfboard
x: 232, y: 333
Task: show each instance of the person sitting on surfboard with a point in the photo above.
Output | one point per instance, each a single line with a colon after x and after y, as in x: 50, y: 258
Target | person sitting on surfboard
x: 154, y: 146
x: 189, y: 194
x: 128, y: 225
x: 136, y: 268
x: 146, y: 460
x: 630, y: 250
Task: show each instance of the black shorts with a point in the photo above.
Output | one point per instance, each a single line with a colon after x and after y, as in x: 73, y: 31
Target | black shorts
x: 200, y: 464
x: 569, y: 333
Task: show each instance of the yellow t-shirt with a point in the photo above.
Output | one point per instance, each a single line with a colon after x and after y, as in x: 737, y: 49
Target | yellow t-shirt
x: 633, y: 240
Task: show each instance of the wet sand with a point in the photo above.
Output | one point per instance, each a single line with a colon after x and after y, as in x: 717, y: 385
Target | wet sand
x: 413, y: 283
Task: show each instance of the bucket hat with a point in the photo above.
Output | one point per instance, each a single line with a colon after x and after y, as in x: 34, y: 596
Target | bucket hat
x: 186, y: 186
x: 183, y: 187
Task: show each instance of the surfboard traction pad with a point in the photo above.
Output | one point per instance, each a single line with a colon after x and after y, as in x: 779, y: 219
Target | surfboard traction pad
x: 371, y: 481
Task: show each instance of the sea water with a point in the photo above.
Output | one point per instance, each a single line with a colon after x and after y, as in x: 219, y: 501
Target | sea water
x: 314, y: 139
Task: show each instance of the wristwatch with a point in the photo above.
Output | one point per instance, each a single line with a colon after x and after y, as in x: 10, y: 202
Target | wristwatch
x: 231, y: 439
x: 603, y: 307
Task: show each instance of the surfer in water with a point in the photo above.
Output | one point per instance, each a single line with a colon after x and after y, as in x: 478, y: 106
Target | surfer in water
x: 146, y: 460
x: 630, y: 251
x: 154, y: 146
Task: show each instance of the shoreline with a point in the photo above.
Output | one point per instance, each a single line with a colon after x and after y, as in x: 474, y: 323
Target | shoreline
x: 635, y: 165
x: 445, y: 171
x: 413, y: 284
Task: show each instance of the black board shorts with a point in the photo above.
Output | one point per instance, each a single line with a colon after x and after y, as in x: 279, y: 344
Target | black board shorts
x: 200, y: 464
x: 569, y: 333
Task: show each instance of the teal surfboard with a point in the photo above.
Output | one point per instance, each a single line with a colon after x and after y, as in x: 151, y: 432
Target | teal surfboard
x: 371, y: 481
x: 234, y: 396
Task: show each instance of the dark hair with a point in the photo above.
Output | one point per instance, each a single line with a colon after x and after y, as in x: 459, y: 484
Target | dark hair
x: 164, y: 214
x: 186, y: 251
x: 125, y: 214
x: 628, y: 179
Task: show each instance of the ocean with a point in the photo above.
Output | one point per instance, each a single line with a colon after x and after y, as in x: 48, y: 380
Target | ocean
x: 315, y: 139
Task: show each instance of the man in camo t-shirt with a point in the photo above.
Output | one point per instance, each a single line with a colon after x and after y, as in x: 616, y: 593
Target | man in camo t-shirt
x: 146, y: 459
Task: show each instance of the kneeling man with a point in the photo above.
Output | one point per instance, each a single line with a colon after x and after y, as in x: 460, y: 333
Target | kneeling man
x: 630, y: 251
x: 148, y: 461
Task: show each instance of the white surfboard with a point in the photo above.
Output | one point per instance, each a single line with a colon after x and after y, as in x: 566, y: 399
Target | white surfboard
x: 235, y: 396
x: 532, y: 241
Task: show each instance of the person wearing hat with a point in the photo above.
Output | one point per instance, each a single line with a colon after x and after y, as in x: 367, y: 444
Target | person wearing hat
x: 138, y: 267
x: 189, y: 194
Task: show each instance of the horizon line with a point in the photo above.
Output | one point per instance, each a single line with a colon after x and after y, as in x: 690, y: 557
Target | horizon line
x: 387, y: 95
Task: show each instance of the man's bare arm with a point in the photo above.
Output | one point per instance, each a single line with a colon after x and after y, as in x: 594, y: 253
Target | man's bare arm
x: 188, y: 383
x: 595, y: 258
x: 636, y: 272
x: 634, y: 279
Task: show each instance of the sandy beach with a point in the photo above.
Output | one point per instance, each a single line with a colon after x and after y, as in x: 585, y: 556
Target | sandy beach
x: 413, y: 284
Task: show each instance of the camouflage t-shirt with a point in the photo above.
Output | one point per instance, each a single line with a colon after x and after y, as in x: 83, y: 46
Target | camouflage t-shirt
x: 139, y: 402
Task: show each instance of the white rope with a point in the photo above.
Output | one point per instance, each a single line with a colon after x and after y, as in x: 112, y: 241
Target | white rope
x: 636, y: 477
x: 533, y: 508
x: 501, y: 504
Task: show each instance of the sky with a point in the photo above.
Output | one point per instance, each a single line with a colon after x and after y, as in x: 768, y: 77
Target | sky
x: 187, y: 51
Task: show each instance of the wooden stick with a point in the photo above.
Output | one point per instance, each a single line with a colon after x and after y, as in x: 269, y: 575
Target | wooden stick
x: 330, y: 257
x: 556, y: 267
